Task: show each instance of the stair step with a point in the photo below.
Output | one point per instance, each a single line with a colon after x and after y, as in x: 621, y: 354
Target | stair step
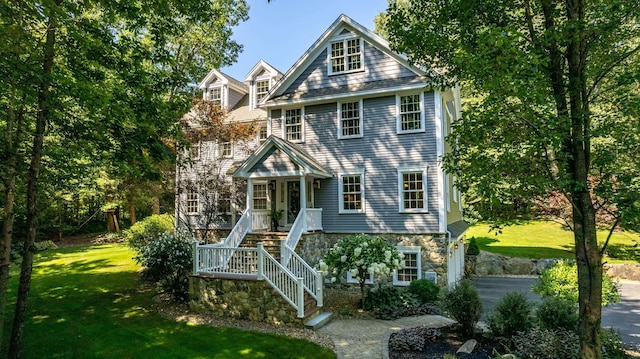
x: 319, y: 320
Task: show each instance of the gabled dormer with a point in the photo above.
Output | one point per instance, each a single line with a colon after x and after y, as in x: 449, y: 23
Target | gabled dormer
x: 260, y: 80
x: 223, y: 89
x: 345, y: 53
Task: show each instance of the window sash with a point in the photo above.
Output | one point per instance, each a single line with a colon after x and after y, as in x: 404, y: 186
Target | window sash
x: 215, y: 96
x: 262, y: 88
x: 412, y: 266
x: 226, y: 150
x: 410, y: 113
x: 412, y: 190
x: 293, y: 125
x: 192, y: 201
x: 350, y: 119
x: 345, y: 56
x: 351, y: 193
x: 262, y: 134
x: 260, y: 196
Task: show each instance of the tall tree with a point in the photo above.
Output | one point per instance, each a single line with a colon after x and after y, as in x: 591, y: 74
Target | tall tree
x: 554, y: 84
x: 102, y: 74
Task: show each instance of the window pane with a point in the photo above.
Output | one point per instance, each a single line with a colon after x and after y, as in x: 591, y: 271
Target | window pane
x: 410, y: 114
x: 262, y: 87
x: 215, y: 96
x: 352, y: 193
x: 350, y: 117
x: 260, y: 196
x: 413, y: 190
x: 293, y: 125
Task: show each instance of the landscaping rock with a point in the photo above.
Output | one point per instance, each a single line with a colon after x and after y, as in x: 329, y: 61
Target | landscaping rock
x: 468, y: 346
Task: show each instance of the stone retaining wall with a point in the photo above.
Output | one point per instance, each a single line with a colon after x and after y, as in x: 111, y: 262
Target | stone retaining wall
x: 241, y: 299
x: 434, y: 248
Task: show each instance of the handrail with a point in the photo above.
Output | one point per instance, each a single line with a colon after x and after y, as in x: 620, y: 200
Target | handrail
x: 239, y: 230
x: 295, y: 233
x: 290, y: 287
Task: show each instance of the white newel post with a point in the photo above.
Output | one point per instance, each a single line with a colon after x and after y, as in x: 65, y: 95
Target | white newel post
x: 300, y: 296
x: 195, y: 258
x: 320, y: 288
x: 250, y: 201
x: 303, y: 202
x: 260, y: 261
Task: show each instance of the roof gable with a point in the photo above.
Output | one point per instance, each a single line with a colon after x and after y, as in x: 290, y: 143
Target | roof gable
x: 224, y: 79
x: 262, y: 68
x: 343, y: 26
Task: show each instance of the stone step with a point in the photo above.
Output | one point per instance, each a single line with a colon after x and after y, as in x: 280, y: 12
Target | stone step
x: 319, y: 320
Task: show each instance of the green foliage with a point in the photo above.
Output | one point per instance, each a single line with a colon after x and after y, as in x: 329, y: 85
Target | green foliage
x: 168, y: 258
x: 612, y: 346
x: 557, y: 313
x: 472, y: 248
x: 148, y: 229
x: 425, y: 290
x: 44, y: 246
x: 547, y: 344
x: 389, y: 302
x: 413, y: 339
x: 561, y: 280
x: 463, y: 304
x: 361, y: 255
x: 512, y: 314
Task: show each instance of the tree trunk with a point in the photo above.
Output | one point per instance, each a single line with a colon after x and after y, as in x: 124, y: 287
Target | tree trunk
x: 155, y: 208
x: 42, y: 117
x: 132, y: 213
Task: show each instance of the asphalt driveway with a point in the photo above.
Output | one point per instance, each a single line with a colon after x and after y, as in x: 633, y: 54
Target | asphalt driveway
x: 623, y: 316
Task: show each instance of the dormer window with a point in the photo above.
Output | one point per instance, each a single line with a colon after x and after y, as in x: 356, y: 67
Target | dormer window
x: 345, y: 56
x: 215, y: 95
x: 262, y: 87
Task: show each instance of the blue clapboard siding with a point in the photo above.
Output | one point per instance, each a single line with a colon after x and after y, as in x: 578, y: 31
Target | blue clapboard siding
x: 234, y: 97
x: 380, y: 152
x: 378, y: 66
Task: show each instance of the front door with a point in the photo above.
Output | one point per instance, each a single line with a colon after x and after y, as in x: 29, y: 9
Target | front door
x: 293, y: 201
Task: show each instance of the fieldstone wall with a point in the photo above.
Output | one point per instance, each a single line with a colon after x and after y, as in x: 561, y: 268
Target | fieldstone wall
x: 241, y: 299
x: 434, y: 248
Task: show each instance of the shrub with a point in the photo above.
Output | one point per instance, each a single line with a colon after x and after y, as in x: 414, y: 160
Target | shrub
x: 148, y: 229
x: 547, y: 344
x: 472, y: 248
x: 44, y: 246
x: 425, y: 290
x: 463, y: 304
x: 611, y: 342
x: 512, y: 314
x: 413, y: 339
x: 561, y: 280
x: 361, y: 255
x: 168, y: 260
x: 388, y: 302
x: 556, y: 312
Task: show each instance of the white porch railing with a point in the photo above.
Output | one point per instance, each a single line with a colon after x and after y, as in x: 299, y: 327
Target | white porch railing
x: 239, y: 231
x: 314, y: 219
x: 289, y: 258
x: 259, y: 220
x: 251, y: 261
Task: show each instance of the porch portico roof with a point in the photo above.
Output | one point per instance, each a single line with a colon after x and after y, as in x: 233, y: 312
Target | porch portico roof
x: 277, y: 157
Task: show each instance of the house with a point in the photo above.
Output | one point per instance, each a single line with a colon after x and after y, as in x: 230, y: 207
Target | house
x: 351, y: 140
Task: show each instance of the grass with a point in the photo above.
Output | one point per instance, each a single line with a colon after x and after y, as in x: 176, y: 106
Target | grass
x: 536, y: 239
x: 87, y: 302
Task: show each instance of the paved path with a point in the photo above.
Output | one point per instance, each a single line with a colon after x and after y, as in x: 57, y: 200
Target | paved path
x: 369, y: 338
x: 623, y: 316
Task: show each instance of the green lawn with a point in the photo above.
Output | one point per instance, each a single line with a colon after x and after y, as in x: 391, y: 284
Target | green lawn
x: 86, y: 302
x: 550, y: 240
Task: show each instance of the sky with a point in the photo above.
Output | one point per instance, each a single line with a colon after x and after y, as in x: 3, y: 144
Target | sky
x: 280, y: 31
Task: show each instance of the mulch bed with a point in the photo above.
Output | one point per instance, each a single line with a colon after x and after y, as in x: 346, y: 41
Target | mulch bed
x: 449, y: 343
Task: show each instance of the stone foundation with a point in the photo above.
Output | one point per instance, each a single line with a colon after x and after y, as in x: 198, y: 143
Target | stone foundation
x: 434, y: 248
x: 241, y: 299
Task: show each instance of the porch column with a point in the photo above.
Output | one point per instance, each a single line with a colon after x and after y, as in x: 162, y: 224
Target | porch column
x: 303, y: 202
x: 250, y: 202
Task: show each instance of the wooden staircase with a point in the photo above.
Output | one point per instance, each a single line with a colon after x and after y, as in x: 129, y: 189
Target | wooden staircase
x: 272, y: 241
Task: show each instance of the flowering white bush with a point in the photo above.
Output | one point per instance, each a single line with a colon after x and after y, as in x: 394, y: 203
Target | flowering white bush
x: 361, y: 255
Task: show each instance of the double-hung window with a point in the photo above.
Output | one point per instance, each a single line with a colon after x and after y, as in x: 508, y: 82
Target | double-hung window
x: 412, y: 266
x: 225, y: 149
x: 410, y: 113
x: 262, y: 87
x: 293, y: 125
x: 412, y: 190
x: 262, y: 133
x: 194, y: 151
x: 215, y: 95
x: 192, y: 201
x: 345, y: 56
x: 260, y: 196
x: 350, y: 119
x: 351, y: 193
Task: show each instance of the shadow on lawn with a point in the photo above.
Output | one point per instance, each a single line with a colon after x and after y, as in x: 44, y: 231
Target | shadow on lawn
x: 485, y: 243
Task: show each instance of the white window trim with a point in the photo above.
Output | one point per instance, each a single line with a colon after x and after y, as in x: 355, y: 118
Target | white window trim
x: 424, y: 171
x: 344, y: 39
x: 341, y: 209
x: 448, y: 192
x: 370, y: 279
x: 197, y: 200
x: 194, y: 156
x: 266, y: 130
x: 398, y: 117
x: 284, y: 124
x: 253, y: 196
x: 221, y: 152
x: 222, y: 94
x: 413, y: 250
x: 360, y: 109
x: 254, y: 90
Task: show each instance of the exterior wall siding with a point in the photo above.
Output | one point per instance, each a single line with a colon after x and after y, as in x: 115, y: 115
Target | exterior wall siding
x: 380, y: 152
x: 378, y: 66
x: 234, y: 97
